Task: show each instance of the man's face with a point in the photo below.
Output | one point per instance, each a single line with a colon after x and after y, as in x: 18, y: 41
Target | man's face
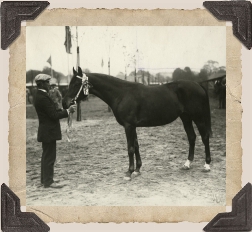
x: 46, y: 85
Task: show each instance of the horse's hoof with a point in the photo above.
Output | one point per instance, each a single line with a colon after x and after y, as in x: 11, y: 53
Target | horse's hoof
x: 206, y: 168
x: 135, y: 174
x: 185, y: 167
x: 127, y: 178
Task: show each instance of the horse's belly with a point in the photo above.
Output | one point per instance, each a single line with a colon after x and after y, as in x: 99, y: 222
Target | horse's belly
x: 150, y: 109
x: 158, y: 117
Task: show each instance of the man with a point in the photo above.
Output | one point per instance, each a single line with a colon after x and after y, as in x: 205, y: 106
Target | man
x: 49, y: 128
x: 28, y: 93
x: 55, y: 95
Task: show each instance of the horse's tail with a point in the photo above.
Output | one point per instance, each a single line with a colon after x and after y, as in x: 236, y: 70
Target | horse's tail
x: 208, y: 113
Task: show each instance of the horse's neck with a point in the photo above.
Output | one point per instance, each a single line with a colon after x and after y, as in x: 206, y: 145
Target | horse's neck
x: 105, y: 88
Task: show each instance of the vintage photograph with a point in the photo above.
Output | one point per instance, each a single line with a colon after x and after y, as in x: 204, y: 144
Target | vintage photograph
x: 125, y: 116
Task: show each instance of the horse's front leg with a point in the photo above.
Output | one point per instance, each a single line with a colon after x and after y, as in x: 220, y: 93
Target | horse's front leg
x: 130, y: 135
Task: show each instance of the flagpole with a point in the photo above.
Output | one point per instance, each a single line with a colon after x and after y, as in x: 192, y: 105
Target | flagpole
x: 68, y: 47
x: 78, y: 64
x: 78, y: 52
x: 102, y: 64
x: 51, y: 67
x: 68, y: 69
x: 109, y: 110
x: 67, y: 60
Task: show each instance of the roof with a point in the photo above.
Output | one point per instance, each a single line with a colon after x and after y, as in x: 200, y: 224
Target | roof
x: 216, y: 76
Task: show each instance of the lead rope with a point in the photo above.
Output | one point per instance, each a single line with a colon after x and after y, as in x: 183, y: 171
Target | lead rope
x: 69, y: 126
x: 70, y: 115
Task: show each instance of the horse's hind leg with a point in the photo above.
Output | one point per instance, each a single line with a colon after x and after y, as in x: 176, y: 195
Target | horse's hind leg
x: 130, y: 134
x: 187, y: 122
x: 205, y: 139
x: 138, y: 157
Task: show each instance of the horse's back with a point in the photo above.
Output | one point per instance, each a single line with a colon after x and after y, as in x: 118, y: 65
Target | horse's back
x: 190, y: 90
x: 195, y: 101
x: 146, y: 106
x: 185, y: 97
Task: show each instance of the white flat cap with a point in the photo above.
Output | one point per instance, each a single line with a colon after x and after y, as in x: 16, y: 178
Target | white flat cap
x: 42, y: 77
x: 53, y: 81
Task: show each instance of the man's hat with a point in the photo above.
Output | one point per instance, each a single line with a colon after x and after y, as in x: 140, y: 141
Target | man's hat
x: 42, y: 77
x: 53, y: 82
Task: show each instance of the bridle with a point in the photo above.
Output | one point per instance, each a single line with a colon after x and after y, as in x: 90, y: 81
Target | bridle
x: 85, y: 85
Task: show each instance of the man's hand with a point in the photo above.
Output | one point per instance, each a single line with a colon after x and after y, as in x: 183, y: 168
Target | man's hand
x: 72, y: 108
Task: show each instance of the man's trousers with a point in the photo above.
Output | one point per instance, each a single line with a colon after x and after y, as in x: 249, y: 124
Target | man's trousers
x: 47, y: 163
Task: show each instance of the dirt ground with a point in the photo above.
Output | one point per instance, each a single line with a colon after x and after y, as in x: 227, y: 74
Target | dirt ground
x: 93, y: 164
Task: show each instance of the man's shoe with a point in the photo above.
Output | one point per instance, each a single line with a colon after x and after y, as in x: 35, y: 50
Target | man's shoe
x: 54, y: 181
x: 54, y: 185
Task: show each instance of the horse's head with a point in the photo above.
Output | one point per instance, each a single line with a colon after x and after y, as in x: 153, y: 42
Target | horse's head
x: 75, y: 87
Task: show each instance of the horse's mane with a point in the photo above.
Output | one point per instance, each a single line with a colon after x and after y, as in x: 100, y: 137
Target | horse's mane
x: 110, y: 78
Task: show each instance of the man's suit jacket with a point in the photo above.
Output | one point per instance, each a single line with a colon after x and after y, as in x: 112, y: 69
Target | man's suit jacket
x: 49, y: 126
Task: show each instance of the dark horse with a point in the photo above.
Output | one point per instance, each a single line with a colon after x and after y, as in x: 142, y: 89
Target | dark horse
x: 136, y: 105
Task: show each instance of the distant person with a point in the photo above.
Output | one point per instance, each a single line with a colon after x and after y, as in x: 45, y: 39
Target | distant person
x: 56, y: 96
x: 220, y: 90
x: 49, y: 129
x: 28, y: 93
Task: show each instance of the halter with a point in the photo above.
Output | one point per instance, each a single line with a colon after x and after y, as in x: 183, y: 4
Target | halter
x: 85, y: 85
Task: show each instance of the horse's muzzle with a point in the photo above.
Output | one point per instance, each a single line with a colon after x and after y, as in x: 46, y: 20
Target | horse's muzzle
x: 67, y: 102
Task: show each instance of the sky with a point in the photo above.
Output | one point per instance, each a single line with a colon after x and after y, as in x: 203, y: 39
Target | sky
x: 151, y: 48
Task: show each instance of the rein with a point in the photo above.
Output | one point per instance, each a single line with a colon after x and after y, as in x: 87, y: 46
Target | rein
x: 85, y: 85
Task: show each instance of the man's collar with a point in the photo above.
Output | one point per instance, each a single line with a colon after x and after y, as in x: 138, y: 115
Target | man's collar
x: 43, y: 90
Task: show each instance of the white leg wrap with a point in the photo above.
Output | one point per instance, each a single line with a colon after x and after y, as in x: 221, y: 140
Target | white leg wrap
x: 136, y: 173
x: 207, y: 167
x: 187, y: 164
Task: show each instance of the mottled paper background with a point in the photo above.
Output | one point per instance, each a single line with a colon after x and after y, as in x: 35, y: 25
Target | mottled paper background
x: 17, y: 112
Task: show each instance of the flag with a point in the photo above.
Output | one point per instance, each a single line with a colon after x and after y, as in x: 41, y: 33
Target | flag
x: 102, y: 63
x: 68, y: 42
x: 49, y: 61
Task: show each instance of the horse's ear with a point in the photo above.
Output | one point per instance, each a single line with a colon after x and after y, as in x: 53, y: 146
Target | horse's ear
x: 74, y: 72
x: 80, y: 71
